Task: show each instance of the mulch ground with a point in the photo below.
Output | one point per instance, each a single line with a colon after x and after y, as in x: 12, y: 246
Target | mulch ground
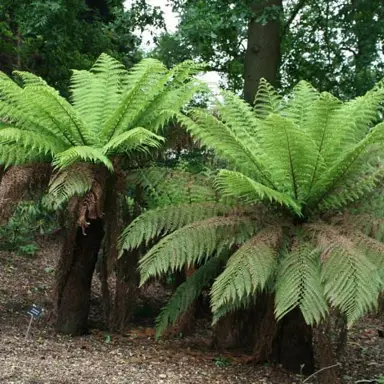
x: 135, y: 357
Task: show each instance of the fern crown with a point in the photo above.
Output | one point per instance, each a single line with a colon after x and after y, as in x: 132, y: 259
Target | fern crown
x: 296, y: 165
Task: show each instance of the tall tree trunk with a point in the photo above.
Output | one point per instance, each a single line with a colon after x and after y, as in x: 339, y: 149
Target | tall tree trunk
x: 262, y: 57
x: 74, y: 296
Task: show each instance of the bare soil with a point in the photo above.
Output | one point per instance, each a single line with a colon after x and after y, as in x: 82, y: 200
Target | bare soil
x: 135, y: 357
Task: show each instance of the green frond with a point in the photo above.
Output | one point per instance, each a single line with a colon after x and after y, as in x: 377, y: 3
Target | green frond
x: 193, y: 244
x: 298, y: 284
x: 231, y: 307
x: 235, y: 184
x: 41, y: 144
x: 167, y: 104
x: 187, y: 293
x: 247, y: 270
x: 72, y: 181
x: 185, y: 70
x: 354, y: 188
x: 291, y: 155
x: 319, y: 128
x: 352, y: 121
x: 146, y: 78
x: 241, y: 119
x: 330, y: 179
x: 63, y: 113
x: 82, y: 154
x: 267, y: 100
x: 165, y: 186
x: 13, y: 154
x: 215, y: 134
x: 96, y: 93
x: 29, y: 78
x: 300, y: 103
x: 137, y: 139
x: 162, y: 221
x: 351, y: 281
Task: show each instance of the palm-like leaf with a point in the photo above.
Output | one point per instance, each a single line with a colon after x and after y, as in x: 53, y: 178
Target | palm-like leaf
x: 113, y: 112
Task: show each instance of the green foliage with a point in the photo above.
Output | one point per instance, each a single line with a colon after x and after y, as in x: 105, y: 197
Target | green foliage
x: 114, y: 112
x: 49, y: 38
x: 335, y: 45
x: 293, y: 169
x: 29, y: 220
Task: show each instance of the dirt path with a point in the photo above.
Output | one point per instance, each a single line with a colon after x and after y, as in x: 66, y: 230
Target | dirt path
x: 135, y: 357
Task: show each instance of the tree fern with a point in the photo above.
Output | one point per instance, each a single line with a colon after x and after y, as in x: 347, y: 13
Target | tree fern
x: 305, y: 159
x: 107, y: 103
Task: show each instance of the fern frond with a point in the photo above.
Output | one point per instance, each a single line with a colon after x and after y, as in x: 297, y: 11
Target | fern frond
x: 162, y: 221
x: 300, y: 103
x: 63, y: 113
x: 194, y: 244
x: 299, y: 285
x: 137, y: 139
x: 166, y: 186
x: 187, y: 293
x: 353, y: 189
x: 291, y: 155
x: 267, y: 100
x: 230, y: 307
x: 215, y: 134
x: 96, y: 93
x: 247, y: 270
x: 81, y: 153
x: 351, y: 280
x: 240, y: 118
x: 319, y: 128
x: 72, y: 181
x: 235, y: 184
x: 143, y: 78
x: 338, y: 171
x: 361, y: 113
x: 41, y: 144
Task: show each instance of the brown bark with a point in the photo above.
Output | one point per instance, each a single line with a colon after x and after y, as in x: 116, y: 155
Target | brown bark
x: 324, y: 354
x: 127, y: 283
x: 74, y: 298
x: 84, y: 235
x: 293, y: 347
x: 262, y: 57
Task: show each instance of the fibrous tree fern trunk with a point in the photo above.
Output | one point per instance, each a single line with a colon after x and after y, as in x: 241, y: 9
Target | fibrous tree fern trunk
x: 74, y: 298
x: 84, y: 235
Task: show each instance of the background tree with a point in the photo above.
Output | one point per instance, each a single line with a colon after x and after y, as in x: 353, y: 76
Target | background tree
x: 49, y: 38
x: 318, y: 41
x: 114, y: 114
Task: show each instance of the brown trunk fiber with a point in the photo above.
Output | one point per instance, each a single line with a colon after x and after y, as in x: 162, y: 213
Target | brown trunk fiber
x: 293, y: 347
x: 262, y: 57
x: 74, y: 295
x: 127, y: 283
x: 324, y: 354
